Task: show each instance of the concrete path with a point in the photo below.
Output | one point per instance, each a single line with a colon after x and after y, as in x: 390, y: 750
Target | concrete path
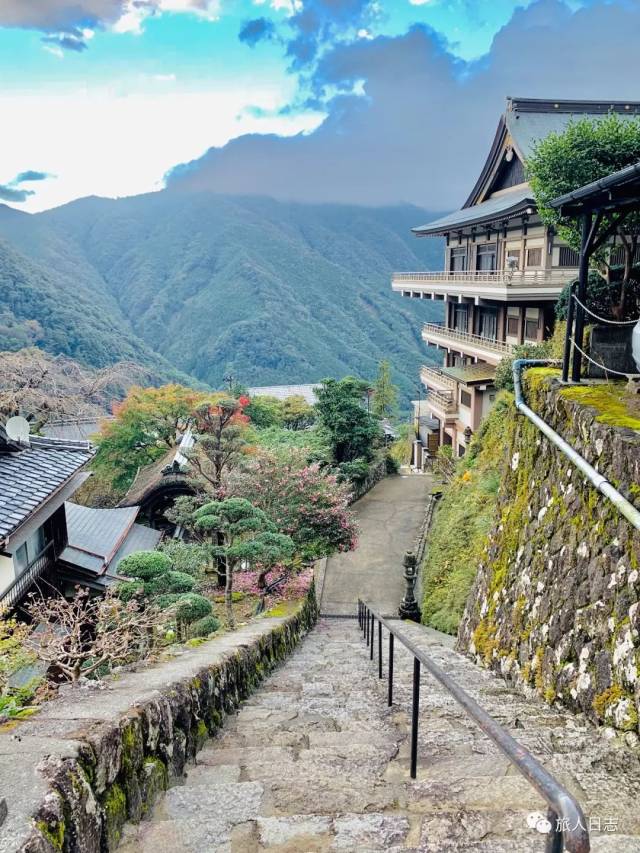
x: 389, y: 516
x: 315, y: 761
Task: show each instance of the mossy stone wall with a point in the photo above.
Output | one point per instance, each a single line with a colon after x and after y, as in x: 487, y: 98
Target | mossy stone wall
x: 124, y: 764
x: 555, y: 603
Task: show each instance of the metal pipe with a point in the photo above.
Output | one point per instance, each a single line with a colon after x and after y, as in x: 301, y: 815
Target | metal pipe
x: 379, y: 649
x: 595, y: 478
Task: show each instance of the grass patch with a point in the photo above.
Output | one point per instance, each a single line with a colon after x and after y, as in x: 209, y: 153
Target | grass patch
x: 463, y: 520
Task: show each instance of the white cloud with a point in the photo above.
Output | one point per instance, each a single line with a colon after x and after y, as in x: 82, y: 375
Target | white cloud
x: 99, y: 143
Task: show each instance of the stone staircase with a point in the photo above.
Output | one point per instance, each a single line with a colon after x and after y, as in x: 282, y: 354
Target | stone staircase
x: 315, y: 761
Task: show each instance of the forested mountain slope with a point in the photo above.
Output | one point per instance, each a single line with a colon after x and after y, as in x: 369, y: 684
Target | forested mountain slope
x: 270, y: 291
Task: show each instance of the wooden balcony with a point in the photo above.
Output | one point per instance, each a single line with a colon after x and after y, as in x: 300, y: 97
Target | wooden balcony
x: 486, y: 349
x: 500, y: 285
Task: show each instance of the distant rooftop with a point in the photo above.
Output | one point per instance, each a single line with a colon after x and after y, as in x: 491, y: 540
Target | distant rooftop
x: 471, y: 374
x: 281, y: 392
x: 75, y: 429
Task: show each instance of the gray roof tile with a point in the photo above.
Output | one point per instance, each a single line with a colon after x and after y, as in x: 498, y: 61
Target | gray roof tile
x: 28, y: 477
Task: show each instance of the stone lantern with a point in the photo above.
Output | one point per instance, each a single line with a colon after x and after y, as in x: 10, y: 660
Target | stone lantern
x: 409, y: 606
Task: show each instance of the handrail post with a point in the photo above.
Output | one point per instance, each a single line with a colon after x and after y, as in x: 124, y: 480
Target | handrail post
x: 373, y: 628
x: 366, y: 625
x: 390, y: 691
x: 555, y: 843
x: 568, y: 333
x: 379, y: 649
x: 414, y: 717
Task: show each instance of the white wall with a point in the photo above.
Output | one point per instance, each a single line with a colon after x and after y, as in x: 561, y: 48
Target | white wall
x: 7, y: 573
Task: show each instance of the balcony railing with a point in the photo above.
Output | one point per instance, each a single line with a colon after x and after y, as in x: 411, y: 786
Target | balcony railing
x: 21, y: 585
x: 500, y: 278
x: 435, y: 332
x: 444, y: 401
x: 433, y: 375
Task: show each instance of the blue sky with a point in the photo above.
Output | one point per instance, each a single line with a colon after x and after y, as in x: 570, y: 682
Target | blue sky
x: 107, y: 96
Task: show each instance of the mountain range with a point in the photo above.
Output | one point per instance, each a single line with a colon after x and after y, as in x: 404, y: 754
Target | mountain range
x: 202, y: 285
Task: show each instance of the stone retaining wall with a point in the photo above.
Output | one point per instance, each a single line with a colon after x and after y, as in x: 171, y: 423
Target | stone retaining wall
x: 95, y: 758
x: 555, y: 604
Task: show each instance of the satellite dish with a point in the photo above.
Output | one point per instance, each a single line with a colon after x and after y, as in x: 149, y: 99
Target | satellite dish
x: 17, y: 429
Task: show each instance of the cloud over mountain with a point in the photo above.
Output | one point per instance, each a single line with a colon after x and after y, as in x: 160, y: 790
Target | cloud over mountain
x: 407, y: 120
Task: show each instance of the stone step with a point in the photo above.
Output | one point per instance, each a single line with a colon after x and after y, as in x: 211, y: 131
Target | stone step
x: 315, y: 761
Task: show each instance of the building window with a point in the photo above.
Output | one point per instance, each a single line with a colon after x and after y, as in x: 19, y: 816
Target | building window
x: 486, y: 257
x: 458, y: 260
x: 461, y: 318
x: 513, y: 327
x: 465, y: 399
x: 513, y: 259
x: 568, y: 257
x: 531, y: 330
x: 29, y: 550
x: 488, y: 323
x: 534, y: 257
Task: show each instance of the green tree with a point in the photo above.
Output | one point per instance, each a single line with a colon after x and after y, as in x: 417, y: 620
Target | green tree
x: 297, y: 413
x: 385, y: 393
x: 144, y: 429
x: 587, y: 150
x: 351, y: 430
x: 265, y: 412
x: 247, y: 536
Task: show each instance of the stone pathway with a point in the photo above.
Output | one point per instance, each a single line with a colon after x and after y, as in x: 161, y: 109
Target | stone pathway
x: 315, y: 761
x: 389, y: 516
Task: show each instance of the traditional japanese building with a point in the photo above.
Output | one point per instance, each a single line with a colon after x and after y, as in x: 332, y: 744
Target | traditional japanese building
x: 503, y: 272
x: 47, y: 542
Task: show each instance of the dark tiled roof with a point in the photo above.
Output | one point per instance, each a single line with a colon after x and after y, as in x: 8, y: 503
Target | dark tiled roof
x: 496, y: 208
x: 30, y: 476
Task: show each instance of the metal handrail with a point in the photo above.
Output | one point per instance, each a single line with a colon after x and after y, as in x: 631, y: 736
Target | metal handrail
x: 14, y: 593
x: 563, y: 808
x: 431, y: 329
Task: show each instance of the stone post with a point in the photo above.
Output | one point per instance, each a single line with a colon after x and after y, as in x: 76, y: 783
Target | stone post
x: 409, y: 608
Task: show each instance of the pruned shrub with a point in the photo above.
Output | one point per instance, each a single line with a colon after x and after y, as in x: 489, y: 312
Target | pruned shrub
x: 145, y: 565
x: 205, y: 626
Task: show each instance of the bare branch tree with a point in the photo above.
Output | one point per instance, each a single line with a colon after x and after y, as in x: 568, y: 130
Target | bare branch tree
x: 42, y: 387
x: 80, y: 635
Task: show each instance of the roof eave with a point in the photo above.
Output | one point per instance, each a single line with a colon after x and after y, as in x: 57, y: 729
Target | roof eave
x: 509, y: 213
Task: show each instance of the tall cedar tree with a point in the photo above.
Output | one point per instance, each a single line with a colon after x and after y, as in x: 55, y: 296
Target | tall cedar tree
x: 587, y: 150
x: 385, y: 393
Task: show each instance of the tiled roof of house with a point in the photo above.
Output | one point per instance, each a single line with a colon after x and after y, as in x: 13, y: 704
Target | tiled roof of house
x: 497, y: 208
x: 29, y: 476
x: 100, y: 538
x: 529, y: 120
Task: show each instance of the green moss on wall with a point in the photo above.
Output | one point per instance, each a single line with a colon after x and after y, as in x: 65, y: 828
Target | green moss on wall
x: 114, y: 806
x: 614, y: 405
x: 463, y: 519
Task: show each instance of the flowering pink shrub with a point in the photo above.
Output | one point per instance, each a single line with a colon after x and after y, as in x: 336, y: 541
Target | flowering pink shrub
x: 303, y: 501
